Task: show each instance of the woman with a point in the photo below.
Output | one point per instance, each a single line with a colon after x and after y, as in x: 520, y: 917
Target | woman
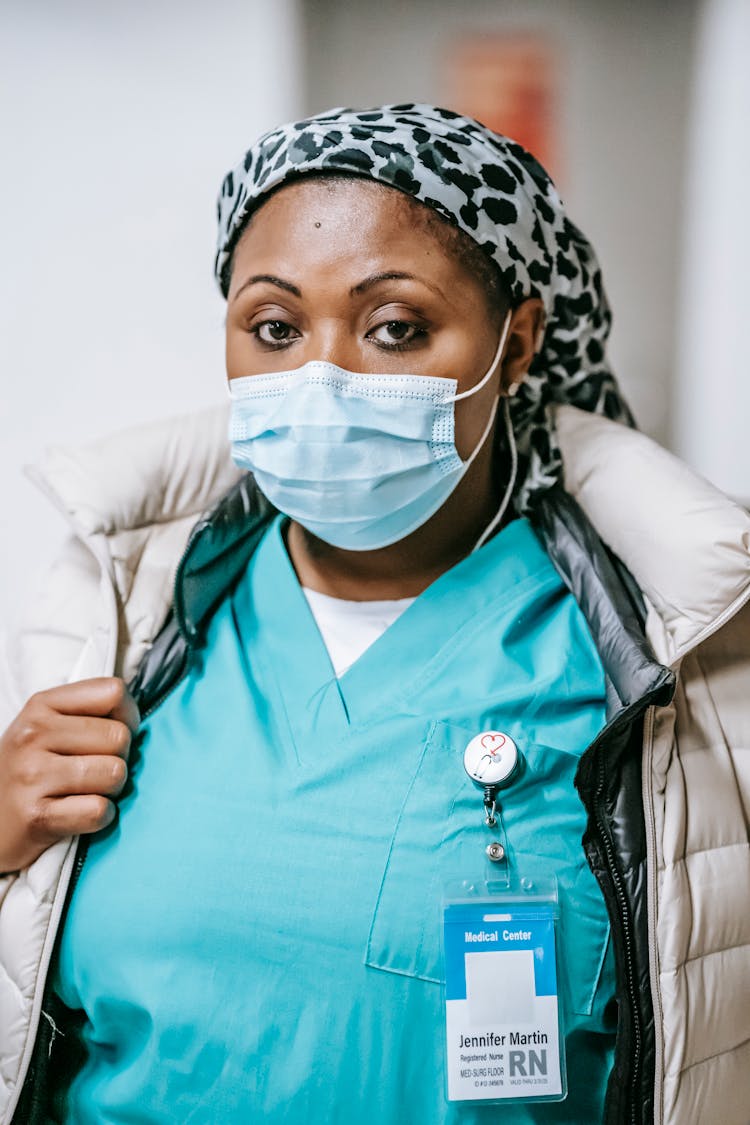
x: 416, y: 351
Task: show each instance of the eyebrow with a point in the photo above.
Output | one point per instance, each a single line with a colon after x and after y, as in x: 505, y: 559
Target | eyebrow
x: 269, y: 279
x: 389, y: 275
x: 356, y: 290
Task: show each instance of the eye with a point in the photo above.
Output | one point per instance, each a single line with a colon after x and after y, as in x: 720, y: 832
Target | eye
x: 396, y: 334
x: 274, y: 333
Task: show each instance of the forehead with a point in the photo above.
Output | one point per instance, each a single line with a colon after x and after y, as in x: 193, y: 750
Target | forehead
x: 343, y: 192
x: 318, y: 219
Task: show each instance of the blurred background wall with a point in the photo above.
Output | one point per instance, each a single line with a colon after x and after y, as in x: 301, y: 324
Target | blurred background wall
x: 711, y: 400
x: 118, y: 122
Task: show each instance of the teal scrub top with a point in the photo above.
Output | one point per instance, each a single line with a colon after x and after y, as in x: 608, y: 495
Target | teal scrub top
x: 257, y: 936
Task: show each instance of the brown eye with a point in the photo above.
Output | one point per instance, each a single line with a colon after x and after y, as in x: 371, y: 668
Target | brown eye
x: 395, y: 333
x: 274, y: 332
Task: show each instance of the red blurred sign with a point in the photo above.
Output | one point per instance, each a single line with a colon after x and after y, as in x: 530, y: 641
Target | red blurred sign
x: 511, y: 84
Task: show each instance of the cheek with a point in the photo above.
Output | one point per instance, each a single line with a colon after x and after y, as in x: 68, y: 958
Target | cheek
x: 242, y: 355
x: 234, y: 353
x: 472, y: 414
x: 471, y: 418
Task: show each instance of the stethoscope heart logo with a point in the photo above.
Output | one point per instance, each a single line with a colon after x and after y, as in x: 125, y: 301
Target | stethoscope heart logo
x: 493, y: 743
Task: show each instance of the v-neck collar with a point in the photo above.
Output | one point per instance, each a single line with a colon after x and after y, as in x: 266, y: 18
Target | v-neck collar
x: 271, y: 607
x: 421, y: 641
x: 272, y: 604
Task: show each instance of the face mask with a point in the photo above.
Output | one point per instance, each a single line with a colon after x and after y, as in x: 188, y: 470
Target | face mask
x: 359, y: 460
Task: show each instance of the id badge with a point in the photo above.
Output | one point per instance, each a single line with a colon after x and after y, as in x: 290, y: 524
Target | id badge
x: 504, y: 1039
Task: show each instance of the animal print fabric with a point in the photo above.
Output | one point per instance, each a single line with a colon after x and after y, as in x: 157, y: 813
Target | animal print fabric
x: 497, y: 193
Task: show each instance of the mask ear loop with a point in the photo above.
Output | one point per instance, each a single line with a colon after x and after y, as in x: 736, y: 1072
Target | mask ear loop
x: 511, y: 480
x: 508, y: 427
x: 493, y: 366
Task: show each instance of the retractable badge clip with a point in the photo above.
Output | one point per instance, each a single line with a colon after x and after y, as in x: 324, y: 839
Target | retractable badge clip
x: 492, y: 761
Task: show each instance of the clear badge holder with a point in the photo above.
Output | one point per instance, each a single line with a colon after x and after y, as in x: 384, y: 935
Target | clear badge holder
x: 503, y: 1019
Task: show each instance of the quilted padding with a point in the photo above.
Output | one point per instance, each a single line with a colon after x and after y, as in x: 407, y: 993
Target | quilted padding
x: 700, y: 794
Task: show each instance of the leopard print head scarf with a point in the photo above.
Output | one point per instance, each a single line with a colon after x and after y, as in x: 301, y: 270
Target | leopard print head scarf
x: 501, y: 197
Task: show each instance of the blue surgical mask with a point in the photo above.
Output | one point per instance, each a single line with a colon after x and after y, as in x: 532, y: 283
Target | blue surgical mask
x: 359, y: 460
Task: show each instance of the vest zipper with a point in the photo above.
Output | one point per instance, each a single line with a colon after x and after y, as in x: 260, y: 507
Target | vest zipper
x: 39, y: 1094
x: 81, y: 853
x: 625, y: 920
x: 652, y: 894
x: 39, y: 1029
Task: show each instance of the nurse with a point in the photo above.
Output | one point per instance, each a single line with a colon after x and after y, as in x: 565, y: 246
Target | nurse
x: 256, y: 934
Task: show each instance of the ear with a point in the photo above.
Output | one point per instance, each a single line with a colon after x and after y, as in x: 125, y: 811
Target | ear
x: 525, y: 337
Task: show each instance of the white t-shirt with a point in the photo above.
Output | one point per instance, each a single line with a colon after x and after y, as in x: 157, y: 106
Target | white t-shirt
x: 348, y: 628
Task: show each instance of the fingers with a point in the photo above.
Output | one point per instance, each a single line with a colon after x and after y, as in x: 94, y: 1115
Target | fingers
x: 69, y: 816
x: 126, y: 710
x: 63, y: 760
x: 106, y: 696
x: 77, y: 735
x: 98, y: 775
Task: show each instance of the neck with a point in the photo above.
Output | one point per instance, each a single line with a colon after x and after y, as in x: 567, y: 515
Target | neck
x: 408, y: 567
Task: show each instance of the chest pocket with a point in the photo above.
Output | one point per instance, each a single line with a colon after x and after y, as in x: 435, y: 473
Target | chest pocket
x: 440, y: 835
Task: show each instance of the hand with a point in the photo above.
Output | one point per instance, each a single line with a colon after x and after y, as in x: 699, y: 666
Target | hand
x: 62, y: 761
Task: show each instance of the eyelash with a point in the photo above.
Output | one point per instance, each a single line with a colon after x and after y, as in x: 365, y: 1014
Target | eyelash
x: 405, y: 345
x: 398, y: 346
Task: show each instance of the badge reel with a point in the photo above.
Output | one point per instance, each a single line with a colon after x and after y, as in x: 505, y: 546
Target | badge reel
x: 504, y: 1033
x: 493, y: 762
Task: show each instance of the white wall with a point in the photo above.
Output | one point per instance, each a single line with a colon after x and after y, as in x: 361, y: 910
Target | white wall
x: 626, y: 78
x: 713, y: 403
x: 118, y: 122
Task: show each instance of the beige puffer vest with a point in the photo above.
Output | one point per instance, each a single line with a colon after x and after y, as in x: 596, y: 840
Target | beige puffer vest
x: 131, y: 502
